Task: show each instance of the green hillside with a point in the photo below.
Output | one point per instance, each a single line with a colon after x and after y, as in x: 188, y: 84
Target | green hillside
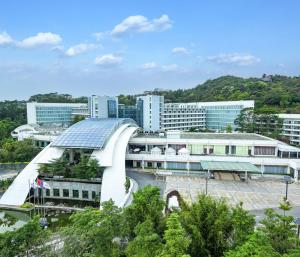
x: 280, y: 94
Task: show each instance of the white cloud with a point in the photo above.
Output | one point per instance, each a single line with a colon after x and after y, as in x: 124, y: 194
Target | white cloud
x: 234, y: 58
x: 149, y: 65
x: 40, y: 39
x: 99, y: 35
x: 79, y: 49
x: 170, y: 67
x: 140, y: 23
x: 5, y: 39
x: 108, y: 60
x: 179, y: 50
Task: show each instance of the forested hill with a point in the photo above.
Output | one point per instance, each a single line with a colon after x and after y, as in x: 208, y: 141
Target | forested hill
x: 57, y: 98
x: 271, y: 93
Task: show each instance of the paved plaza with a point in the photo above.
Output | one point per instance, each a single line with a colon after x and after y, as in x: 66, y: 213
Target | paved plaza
x: 255, y: 195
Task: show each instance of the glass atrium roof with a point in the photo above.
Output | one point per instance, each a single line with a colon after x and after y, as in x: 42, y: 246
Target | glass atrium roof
x: 90, y: 133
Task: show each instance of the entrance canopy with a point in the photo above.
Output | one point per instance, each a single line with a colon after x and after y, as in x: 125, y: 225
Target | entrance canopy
x: 229, y: 166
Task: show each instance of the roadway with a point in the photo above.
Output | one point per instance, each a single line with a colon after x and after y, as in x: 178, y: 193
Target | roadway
x: 143, y: 179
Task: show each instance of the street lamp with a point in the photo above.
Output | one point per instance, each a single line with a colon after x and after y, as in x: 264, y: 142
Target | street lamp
x: 287, y: 180
x: 207, y: 177
x: 297, y: 222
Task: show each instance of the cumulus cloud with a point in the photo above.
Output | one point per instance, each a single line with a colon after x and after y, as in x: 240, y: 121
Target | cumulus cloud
x: 149, y: 66
x: 98, y: 35
x: 79, y: 49
x: 40, y: 39
x: 234, y: 58
x: 170, y: 67
x: 108, y: 60
x: 5, y: 39
x: 180, y: 50
x: 140, y: 24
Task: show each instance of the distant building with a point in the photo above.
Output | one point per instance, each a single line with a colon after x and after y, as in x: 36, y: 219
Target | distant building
x: 221, y: 114
x: 54, y: 114
x: 291, y: 127
x: 183, y: 116
x: 103, y: 106
x: 215, y: 116
x: 127, y: 111
x: 150, y: 110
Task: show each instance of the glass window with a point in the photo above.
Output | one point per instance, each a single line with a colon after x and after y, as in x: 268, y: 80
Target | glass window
x: 264, y: 150
x: 65, y: 192
x: 233, y: 149
x: 85, y: 194
x: 75, y: 194
x: 47, y: 192
x: 56, y: 192
x: 227, y: 149
x: 93, y: 194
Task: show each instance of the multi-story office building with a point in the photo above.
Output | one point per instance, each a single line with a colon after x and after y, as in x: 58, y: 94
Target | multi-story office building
x: 221, y: 114
x: 150, y: 110
x: 291, y: 127
x: 183, y: 116
x: 127, y: 111
x: 214, y: 116
x: 189, y: 151
x: 58, y: 114
x: 103, y: 106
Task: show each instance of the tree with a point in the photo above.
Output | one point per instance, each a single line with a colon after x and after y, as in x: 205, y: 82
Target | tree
x: 243, y: 225
x: 176, y: 239
x: 257, y: 245
x: 146, y: 243
x: 146, y: 205
x: 18, y: 151
x: 87, y: 168
x: 214, y: 227
x: 78, y: 118
x: 228, y: 128
x: 28, y: 240
x: 280, y: 229
x: 94, y: 232
x: 6, y: 127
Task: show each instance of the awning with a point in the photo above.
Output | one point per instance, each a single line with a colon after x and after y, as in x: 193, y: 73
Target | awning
x: 229, y: 166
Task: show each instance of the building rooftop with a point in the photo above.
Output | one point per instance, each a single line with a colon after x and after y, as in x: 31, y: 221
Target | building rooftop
x: 223, y: 136
x: 90, y: 133
x: 206, y: 136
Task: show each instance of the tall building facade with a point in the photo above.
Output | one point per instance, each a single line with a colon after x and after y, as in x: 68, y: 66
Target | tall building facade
x: 58, y: 114
x: 127, y: 111
x: 215, y: 116
x: 291, y: 127
x: 221, y: 114
x: 103, y: 106
x: 183, y: 116
x: 150, y: 109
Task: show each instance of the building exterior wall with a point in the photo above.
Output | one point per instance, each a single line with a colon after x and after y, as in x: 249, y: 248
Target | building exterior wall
x: 127, y: 111
x: 52, y: 113
x: 270, y: 156
x: 183, y: 116
x: 214, y: 116
x: 103, y: 106
x: 221, y: 114
x: 151, y: 107
x: 291, y: 127
x: 86, y: 190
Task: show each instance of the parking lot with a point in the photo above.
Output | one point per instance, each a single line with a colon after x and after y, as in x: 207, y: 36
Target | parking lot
x: 255, y: 194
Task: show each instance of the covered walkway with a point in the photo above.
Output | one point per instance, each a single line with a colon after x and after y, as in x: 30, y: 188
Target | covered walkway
x: 238, y: 167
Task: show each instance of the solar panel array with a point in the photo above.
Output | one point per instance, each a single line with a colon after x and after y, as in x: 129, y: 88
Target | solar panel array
x: 89, y: 133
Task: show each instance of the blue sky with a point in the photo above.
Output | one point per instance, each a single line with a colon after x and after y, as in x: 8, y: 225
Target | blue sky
x: 113, y: 47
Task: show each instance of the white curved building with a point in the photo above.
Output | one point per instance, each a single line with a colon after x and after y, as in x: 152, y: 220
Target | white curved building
x: 106, y: 139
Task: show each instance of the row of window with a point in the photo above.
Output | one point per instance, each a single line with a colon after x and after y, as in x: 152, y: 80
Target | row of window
x: 75, y: 193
